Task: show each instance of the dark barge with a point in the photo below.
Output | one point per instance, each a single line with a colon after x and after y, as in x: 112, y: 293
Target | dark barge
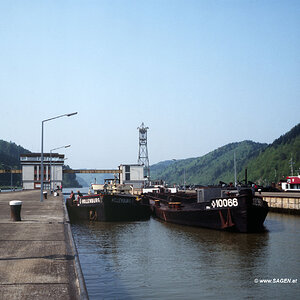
x: 109, y: 207
x: 213, y: 208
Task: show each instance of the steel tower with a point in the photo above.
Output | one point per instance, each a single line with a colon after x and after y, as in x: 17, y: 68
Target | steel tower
x: 143, y: 150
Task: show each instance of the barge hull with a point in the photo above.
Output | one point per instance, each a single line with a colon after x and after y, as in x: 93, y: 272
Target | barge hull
x: 109, y: 213
x: 244, y: 218
x: 127, y: 209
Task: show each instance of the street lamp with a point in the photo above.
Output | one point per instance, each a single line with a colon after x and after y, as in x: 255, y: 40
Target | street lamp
x: 11, y: 179
x: 51, y: 173
x: 42, y: 150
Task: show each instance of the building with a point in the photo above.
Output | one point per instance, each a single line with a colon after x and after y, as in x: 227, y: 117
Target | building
x: 31, y: 170
x: 292, y: 184
x: 132, y: 175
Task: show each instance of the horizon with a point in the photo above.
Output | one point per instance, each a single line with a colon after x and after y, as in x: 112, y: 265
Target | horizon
x: 185, y: 158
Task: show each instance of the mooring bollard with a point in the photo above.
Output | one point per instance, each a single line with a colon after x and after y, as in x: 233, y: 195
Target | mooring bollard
x: 45, y: 194
x: 15, y: 210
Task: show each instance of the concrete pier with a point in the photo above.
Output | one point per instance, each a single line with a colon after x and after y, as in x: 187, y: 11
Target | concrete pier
x: 283, y: 202
x: 38, y: 258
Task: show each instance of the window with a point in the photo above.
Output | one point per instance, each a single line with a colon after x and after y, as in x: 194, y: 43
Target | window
x: 127, y: 172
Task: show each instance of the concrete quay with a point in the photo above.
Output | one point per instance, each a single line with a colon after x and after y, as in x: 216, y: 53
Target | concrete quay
x: 38, y: 257
x: 283, y: 202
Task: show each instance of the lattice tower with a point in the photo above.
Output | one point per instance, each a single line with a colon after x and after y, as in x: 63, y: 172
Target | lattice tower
x: 143, y: 150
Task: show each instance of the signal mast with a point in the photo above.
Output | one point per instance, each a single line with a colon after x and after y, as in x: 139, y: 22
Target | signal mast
x: 143, y: 150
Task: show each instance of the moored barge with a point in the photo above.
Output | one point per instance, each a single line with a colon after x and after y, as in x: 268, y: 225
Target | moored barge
x: 109, y: 206
x: 213, y: 208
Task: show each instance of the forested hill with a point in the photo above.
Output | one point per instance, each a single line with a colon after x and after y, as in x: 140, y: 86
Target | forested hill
x: 211, y: 168
x: 10, y: 158
x: 274, y: 163
x: 10, y: 155
x: 70, y: 180
x: 265, y: 163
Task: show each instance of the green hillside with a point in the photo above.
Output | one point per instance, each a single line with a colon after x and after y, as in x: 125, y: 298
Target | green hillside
x: 211, y: 168
x: 10, y: 155
x: 265, y: 163
x: 10, y: 159
x: 274, y: 163
x: 70, y: 180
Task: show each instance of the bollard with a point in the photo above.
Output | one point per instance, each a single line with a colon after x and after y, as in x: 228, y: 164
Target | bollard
x: 15, y: 210
x: 45, y: 194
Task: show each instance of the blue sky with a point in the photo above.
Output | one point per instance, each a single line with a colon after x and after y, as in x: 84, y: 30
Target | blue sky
x: 199, y: 74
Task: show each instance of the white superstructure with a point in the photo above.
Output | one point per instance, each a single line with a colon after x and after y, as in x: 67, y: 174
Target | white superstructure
x: 132, y: 175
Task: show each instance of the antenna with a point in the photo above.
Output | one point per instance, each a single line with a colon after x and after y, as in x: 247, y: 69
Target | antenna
x: 234, y: 160
x: 143, y: 150
x: 292, y: 165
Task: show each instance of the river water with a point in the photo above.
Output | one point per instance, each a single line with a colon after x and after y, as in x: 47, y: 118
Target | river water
x: 156, y: 260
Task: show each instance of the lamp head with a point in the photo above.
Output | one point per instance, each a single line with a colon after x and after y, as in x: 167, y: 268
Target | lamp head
x: 72, y: 114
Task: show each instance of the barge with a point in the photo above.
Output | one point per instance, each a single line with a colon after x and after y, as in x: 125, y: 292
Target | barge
x: 109, y: 206
x: 214, y: 208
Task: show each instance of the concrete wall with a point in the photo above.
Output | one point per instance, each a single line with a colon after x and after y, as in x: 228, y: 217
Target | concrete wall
x: 57, y: 172
x: 28, y: 185
x: 283, y: 203
x: 27, y: 172
x: 136, y: 173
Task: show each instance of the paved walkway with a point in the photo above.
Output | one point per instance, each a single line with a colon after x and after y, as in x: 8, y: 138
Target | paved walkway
x: 38, y: 259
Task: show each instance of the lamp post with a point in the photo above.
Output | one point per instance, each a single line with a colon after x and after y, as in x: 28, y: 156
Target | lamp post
x: 42, y: 149
x: 11, y: 179
x: 51, y: 173
x: 184, y: 179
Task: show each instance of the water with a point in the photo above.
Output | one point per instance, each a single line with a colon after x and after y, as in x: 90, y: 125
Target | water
x: 155, y: 260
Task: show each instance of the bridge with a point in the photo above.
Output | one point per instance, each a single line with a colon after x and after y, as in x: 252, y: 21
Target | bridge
x: 69, y: 171
x: 72, y: 171
x: 11, y: 171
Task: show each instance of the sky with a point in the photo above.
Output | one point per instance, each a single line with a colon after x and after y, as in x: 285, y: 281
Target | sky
x: 200, y: 74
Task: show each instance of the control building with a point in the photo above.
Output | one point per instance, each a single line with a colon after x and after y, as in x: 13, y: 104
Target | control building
x: 31, y: 170
x: 132, y: 175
